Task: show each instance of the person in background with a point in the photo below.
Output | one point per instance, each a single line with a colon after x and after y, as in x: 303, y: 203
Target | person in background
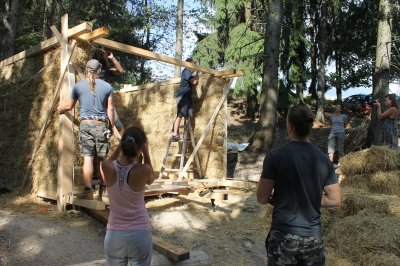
x: 302, y: 180
x: 106, y: 74
x: 387, y: 131
x: 336, y: 136
x: 184, y: 99
x: 96, y: 113
x: 128, y: 238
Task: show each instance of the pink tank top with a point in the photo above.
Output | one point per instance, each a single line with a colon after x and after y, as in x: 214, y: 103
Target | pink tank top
x: 127, y: 207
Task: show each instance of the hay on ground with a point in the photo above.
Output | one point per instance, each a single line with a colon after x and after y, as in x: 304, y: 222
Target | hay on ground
x: 378, y: 182
x: 374, y: 159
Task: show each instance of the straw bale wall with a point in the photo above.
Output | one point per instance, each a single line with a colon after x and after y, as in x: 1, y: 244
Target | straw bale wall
x: 154, y: 109
x: 26, y: 91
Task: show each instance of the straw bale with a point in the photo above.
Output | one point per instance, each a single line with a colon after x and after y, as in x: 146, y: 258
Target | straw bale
x: 376, y: 158
x: 386, y: 182
x: 26, y: 91
x: 366, y: 238
x: 154, y: 109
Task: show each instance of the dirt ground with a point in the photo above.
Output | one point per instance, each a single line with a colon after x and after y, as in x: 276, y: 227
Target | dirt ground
x: 233, y: 233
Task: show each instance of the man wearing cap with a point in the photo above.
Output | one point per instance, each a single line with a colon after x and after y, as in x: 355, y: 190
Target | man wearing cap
x: 96, y: 111
x: 184, y: 99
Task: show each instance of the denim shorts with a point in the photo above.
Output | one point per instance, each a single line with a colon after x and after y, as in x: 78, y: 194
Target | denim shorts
x: 288, y: 249
x: 92, y: 140
x: 123, y: 247
x: 336, y: 143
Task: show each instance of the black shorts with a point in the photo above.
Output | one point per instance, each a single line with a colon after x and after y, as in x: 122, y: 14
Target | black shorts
x: 185, y: 107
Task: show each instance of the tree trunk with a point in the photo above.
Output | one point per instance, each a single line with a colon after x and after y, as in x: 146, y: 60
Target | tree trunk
x: 10, y: 25
x: 269, y: 85
x: 338, y: 65
x: 322, y: 38
x: 145, y: 45
x: 179, y: 37
x: 380, y: 78
x: 313, y: 50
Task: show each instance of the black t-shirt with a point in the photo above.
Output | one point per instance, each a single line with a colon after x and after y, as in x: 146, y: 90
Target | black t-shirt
x: 300, y: 171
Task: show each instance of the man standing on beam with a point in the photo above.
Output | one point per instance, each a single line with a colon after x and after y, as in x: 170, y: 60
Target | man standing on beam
x: 96, y: 112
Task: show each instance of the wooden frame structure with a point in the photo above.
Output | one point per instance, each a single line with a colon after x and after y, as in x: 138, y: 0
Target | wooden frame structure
x: 67, y: 39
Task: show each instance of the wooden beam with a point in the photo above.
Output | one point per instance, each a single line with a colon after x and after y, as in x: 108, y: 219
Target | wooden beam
x: 214, y: 115
x: 151, y: 55
x: 230, y: 73
x: 65, y: 125
x: 46, y: 45
x: 93, y: 35
x: 80, y: 29
x: 57, y: 34
x: 90, y: 204
x: 170, y: 250
x: 129, y: 88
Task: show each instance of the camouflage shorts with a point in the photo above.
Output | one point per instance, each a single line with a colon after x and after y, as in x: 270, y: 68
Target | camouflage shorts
x: 288, y: 249
x: 92, y: 140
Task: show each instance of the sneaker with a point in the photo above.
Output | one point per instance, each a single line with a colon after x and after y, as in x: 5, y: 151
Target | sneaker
x: 175, y: 138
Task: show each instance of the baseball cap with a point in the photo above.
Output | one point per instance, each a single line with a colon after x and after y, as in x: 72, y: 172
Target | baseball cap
x: 93, y: 65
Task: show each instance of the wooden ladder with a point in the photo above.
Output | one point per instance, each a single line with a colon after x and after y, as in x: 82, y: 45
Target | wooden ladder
x: 187, y: 133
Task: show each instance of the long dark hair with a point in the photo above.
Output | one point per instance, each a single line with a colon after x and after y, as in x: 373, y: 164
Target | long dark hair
x: 132, y: 141
x: 392, y: 98
x: 302, y: 118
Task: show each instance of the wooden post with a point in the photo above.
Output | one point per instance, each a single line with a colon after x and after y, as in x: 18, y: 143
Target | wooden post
x: 66, y: 136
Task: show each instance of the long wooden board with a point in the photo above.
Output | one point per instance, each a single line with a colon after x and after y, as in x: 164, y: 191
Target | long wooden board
x: 151, y: 55
x: 47, y: 44
x: 169, y: 250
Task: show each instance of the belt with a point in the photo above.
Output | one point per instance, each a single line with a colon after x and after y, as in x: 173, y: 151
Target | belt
x: 93, y: 121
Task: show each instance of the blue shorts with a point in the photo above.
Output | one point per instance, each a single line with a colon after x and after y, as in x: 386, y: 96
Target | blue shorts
x: 123, y: 247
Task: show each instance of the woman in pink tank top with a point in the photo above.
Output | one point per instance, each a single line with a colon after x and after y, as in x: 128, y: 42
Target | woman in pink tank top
x: 128, y: 238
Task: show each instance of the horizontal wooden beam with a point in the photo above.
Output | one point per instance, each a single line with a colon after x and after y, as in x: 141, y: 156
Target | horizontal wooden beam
x: 129, y: 88
x: 170, y: 250
x: 151, y: 55
x: 90, y: 204
x: 47, y: 44
x: 229, y: 73
x: 80, y: 29
x: 93, y: 35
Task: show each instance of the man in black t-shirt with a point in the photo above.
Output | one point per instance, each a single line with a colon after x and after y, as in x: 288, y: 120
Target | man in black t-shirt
x: 298, y: 179
x: 184, y: 99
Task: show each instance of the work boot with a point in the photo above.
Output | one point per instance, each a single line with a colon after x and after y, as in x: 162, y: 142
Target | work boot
x: 87, y: 194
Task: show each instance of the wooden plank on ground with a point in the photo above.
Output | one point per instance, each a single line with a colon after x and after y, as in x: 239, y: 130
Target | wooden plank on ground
x: 89, y: 204
x: 47, y: 195
x: 47, y: 44
x: 170, y: 250
x: 151, y: 55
